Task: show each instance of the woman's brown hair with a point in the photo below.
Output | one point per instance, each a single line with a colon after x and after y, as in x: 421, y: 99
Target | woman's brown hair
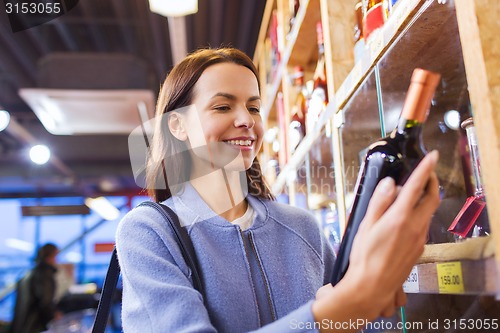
x: 176, y: 93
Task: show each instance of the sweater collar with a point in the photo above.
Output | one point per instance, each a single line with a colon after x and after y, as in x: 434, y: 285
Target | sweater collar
x: 191, y: 208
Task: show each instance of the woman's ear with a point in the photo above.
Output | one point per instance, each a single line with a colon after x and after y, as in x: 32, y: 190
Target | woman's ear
x: 176, y: 127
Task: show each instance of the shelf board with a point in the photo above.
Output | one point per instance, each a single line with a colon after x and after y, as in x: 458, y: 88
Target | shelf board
x: 402, y: 18
x: 307, y: 11
x: 378, y: 43
x: 264, y: 28
x: 290, y: 169
x: 402, y: 14
x: 454, y: 277
x: 467, y: 267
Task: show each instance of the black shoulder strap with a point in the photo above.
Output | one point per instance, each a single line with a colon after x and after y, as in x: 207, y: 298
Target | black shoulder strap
x: 113, y: 273
x: 101, y: 318
x: 182, y: 239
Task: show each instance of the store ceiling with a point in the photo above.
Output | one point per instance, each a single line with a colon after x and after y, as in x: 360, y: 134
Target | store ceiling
x: 99, y: 46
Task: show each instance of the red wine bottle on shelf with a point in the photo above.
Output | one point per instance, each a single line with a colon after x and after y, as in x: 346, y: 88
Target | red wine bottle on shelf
x: 393, y: 156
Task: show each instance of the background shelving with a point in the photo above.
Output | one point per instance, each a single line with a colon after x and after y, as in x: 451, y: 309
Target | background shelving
x: 365, y: 99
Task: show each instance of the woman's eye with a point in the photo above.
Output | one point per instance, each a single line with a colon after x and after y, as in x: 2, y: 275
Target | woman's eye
x: 222, y: 108
x: 254, y: 109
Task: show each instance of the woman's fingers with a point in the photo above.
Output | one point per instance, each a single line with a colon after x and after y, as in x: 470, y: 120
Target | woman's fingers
x: 388, y: 311
x: 431, y: 200
x: 421, y: 181
x: 324, y: 290
x: 418, y: 182
x: 398, y: 301
x: 400, y: 297
x: 383, y: 197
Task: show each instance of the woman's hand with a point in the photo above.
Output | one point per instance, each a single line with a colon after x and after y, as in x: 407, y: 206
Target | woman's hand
x: 393, y: 233
x: 389, y: 241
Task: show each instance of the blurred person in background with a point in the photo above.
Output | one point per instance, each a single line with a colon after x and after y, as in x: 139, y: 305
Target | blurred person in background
x: 35, y: 305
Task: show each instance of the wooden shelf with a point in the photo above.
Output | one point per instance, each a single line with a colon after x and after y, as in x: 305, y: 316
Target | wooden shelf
x: 302, y: 150
x: 466, y: 267
x: 454, y: 277
x: 295, y: 51
x: 374, y: 50
x: 379, y: 42
x: 432, y: 33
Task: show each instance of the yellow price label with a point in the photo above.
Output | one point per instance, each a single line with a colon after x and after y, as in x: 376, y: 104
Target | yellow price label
x: 450, y: 279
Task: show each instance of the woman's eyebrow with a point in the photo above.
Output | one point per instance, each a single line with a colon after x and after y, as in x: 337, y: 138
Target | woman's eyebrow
x: 233, y: 97
x: 225, y: 95
x: 254, y: 98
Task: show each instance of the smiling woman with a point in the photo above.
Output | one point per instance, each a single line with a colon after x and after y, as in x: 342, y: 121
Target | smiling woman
x: 229, y: 115
x: 193, y: 113
x: 260, y: 261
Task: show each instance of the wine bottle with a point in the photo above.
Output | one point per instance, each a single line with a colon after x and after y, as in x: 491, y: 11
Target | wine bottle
x: 297, y: 127
x: 319, y: 95
x: 393, y: 156
x: 294, y: 9
x: 359, y: 41
x: 374, y: 16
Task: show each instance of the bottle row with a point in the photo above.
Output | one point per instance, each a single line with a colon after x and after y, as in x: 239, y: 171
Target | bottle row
x: 367, y: 110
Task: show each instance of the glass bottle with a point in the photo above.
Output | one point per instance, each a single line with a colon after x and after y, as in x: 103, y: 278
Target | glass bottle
x: 393, y: 156
x: 294, y: 9
x: 319, y: 96
x: 297, y: 129
x: 374, y: 16
x: 275, y: 57
x: 283, y: 140
x: 472, y: 220
x: 359, y: 41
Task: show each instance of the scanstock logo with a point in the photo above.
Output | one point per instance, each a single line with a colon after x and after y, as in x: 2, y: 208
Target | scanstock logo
x: 26, y: 14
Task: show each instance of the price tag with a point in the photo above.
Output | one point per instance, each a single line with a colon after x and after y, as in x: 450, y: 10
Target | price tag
x: 411, y: 284
x: 450, y: 278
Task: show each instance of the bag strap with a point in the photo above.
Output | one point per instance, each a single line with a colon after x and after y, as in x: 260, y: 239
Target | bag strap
x: 101, y: 318
x: 113, y: 273
x: 183, y: 240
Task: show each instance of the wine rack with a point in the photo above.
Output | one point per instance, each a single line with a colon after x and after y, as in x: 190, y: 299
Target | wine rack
x: 364, y: 101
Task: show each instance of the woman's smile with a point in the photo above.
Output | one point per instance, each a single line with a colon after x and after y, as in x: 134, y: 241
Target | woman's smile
x: 242, y: 143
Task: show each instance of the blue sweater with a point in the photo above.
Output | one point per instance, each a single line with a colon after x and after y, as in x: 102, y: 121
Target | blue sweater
x: 261, y: 279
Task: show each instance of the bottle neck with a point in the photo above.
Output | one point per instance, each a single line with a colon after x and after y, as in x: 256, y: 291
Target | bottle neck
x: 320, y: 40
x: 409, y: 127
x: 321, y: 50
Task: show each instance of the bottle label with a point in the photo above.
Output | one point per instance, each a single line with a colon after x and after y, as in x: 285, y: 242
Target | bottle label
x: 374, y: 19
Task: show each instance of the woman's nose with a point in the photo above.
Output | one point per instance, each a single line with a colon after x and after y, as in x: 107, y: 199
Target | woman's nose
x: 244, y: 118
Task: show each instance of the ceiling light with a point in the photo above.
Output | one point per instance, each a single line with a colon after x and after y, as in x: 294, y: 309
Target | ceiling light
x: 4, y: 119
x: 19, y: 244
x: 40, y: 154
x: 103, y: 207
x: 173, y: 7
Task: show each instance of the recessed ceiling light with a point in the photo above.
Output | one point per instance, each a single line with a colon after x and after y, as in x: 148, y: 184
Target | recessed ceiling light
x: 4, y: 119
x: 40, y: 154
x: 173, y: 7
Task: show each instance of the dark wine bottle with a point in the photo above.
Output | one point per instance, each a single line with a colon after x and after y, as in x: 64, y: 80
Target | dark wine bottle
x: 393, y: 156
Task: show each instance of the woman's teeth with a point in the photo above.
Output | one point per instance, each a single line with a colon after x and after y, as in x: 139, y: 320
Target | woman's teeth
x: 240, y: 142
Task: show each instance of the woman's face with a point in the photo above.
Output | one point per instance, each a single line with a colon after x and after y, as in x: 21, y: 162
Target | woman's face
x: 223, y: 126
